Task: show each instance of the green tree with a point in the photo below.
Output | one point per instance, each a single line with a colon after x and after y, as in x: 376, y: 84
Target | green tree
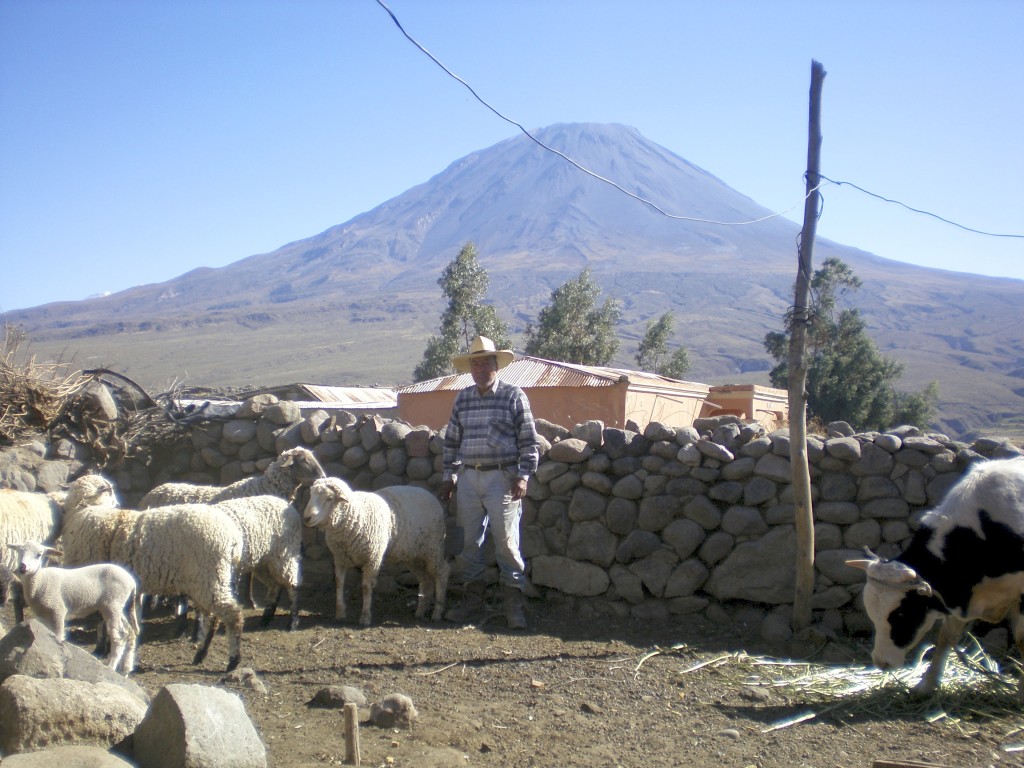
x: 573, y: 328
x: 653, y: 355
x: 848, y: 379
x: 464, y: 282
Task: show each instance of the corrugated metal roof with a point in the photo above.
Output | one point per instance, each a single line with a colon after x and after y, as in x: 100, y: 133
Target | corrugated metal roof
x: 310, y: 394
x: 534, y: 372
x: 364, y: 397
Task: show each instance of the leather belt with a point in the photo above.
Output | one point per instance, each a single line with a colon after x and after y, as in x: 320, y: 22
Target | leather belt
x: 489, y: 467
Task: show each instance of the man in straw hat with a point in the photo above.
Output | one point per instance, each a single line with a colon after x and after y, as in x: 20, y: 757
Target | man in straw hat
x: 490, y: 451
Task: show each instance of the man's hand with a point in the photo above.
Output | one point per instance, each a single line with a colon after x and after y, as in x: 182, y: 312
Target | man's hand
x: 444, y: 492
x: 518, y: 488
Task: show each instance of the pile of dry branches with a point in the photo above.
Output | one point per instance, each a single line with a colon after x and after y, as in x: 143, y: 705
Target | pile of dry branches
x: 52, y: 400
x: 32, y: 395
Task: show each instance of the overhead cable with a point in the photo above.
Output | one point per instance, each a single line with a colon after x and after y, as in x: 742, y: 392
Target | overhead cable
x: 650, y: 203
x: 568, y: 159
x: 916, y: 210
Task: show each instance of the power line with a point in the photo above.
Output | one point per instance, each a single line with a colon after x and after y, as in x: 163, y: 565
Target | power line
x: 916, y: 210
x: 568, y: 159
x: 650, y: 203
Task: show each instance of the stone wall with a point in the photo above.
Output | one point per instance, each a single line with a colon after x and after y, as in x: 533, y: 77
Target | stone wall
x: 669, y: 522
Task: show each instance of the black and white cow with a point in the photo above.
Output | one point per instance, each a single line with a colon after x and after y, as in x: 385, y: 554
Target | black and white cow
x: 965, y: 562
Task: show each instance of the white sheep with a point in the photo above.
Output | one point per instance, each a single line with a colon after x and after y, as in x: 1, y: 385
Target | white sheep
x: 293, y: 469
x: 24, y: 516
x: 187, y: 549
x: 167, y: 494
x: 190, y: 549
x: 56, y: 595
x: 92, y: 512
x: 272, y: 547
x: 403, y: 524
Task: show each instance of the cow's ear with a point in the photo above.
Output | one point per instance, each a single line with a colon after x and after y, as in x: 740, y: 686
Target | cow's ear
x: 860, y: 565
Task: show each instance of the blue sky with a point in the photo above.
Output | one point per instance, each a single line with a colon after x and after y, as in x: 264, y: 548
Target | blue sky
x: 140, y: 140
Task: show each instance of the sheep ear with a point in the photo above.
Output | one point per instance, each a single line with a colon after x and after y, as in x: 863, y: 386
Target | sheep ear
x: 52, y: 552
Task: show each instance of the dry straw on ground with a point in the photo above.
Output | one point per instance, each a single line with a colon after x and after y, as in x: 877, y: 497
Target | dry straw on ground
x: 977, y: 691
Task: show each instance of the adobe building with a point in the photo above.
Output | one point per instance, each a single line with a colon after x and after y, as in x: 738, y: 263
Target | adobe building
x: 568, y: 394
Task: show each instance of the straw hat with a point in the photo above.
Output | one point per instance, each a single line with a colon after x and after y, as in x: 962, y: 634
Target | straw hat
x: 482, y: 347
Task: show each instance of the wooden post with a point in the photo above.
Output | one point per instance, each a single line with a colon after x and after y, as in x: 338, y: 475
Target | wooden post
x: 803, y: 514
x: 352, y: 734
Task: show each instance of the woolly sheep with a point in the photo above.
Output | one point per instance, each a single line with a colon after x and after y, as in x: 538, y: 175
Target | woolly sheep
x: 24, y: 516
x: 190, y: 549
x: 178, y: 493
x: 272, y: 547
x: 92, y: 512
x: 58, y: 594
x: 403, y: 524
x: 187, y: 549
x: 293, y: 469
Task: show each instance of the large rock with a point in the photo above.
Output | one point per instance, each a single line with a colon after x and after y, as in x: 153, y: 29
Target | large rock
x: 194, y: 726
x: 67, y: 757
x: 40, y: 713
x: 583, y: 579
x: 761, y: 571
x: 32, y: 649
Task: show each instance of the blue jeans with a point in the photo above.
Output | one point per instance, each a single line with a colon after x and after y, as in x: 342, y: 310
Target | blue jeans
x: 484, y: 500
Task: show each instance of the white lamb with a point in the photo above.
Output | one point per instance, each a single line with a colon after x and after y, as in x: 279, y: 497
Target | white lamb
x: 190, y: 549
x: 58, y: 594
x: 293, y: 469
x: 403, y: 524
x: 25, y: 516
x: 272, y: 547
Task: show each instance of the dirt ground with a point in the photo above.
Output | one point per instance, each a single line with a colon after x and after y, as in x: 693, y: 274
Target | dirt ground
x: 570, y: 691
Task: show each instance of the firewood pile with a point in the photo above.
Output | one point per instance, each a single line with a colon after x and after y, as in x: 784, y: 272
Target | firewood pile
x: 33, y: 395
x: 101, y: 409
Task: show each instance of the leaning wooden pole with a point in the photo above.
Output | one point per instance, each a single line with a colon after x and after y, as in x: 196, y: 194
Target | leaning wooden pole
x: 803, y: 513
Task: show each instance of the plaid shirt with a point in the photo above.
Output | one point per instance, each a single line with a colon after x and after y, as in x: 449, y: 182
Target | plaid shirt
x: 492, y: 428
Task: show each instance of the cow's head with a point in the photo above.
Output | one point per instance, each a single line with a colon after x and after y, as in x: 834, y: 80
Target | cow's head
x: 900, y: 604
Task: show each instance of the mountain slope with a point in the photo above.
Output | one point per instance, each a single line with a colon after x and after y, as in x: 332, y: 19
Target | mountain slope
x: 356, y: 303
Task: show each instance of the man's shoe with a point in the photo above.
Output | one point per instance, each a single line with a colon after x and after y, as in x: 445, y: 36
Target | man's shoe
x: 471, y: 607
x: 515, y: 611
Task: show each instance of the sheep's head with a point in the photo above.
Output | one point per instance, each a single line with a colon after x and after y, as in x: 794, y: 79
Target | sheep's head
x: 301, y: 465
x: 325, y: 496
x: 32, y: 556
x: 90, y: 491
